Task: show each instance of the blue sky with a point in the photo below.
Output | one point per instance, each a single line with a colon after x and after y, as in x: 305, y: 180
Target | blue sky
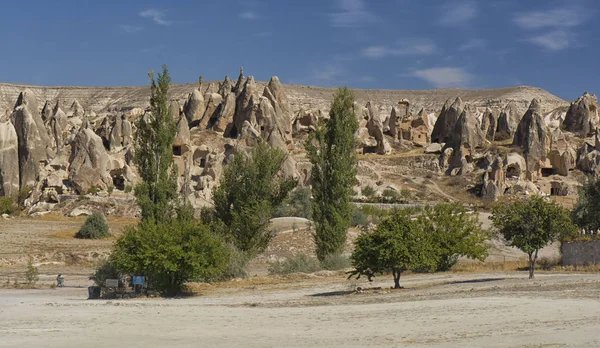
x: 394, y: 44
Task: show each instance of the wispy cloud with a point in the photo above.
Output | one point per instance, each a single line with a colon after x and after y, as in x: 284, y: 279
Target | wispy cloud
x: 264, y: 34
x: 415, y: 48
x: 130, y: 28
x: 327, y: 73
x: 249, y: 15
x: 351, y: 14
x: 553, y: 41
x: 473, y: 44
x: 458, y: 12
x: 442, y: 77
x: 156, y: 15
x: 563, y: 17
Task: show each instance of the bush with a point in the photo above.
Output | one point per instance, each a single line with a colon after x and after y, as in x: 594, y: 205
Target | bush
x: 93, y: 190
x: 7, y: 206
x: 171, y: 253
x: 359, y: 218
x: 236, y: 267
x: 110, y: 190
x: 295, y: 264
x: 106, y: 269
x: 336, y: 262
x: 23, y: 195
x: 94, y: 227
x: 128, y: 189
x: 32, y: 275
x: 368, y: 191
x: 299, y: 204
x: 390, y: 194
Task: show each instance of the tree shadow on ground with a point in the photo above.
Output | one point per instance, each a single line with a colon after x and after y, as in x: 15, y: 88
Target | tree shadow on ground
x: 333, y: 293
x: 470, y: 281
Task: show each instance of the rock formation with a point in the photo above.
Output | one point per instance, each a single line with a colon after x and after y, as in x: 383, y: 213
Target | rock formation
x: 76, y: 110
x: 562, y: 157
x: 375, y: 127
x: 582, y: 116
x: 239, y: 85
x: 46, y: 112
x: 223, y: 121
x: 444, y: 126
x: 244, y: 108
x: 9, y: 160
x: 212, y: 108
x: 465, y: 139
x: 194, y: 107
x: 174, y: 110
x: 226, y: 87
x: 531, y: 136
x: 508, y: 121
x: 489, y: 122
x: 89, y: 162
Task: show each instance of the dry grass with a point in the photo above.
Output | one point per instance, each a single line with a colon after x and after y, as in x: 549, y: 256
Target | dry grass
x: 478, y: 266
x: 65, y: 234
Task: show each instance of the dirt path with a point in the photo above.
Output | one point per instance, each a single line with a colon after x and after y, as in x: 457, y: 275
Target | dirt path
x: 440, y: 310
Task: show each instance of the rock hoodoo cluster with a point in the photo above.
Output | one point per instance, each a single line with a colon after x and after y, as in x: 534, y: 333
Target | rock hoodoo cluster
x: 512, y: 150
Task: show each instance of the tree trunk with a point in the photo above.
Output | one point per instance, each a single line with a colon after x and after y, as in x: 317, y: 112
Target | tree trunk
x: 396, y: 274
x: 532, y: 260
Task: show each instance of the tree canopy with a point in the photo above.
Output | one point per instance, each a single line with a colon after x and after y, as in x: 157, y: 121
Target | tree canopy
x: 531, y: 224
x: 586, y: 213
x: 331, y: 150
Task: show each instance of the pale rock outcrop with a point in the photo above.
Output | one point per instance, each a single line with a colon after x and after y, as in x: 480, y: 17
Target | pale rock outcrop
x: 46, y: 112
x: 275, y: 93
x: 434, y: 148
x: 516, y: 166
x: 212, y: 108
x: 183, y: 132
x: 249, y: 136
x: 121, y: 134
x: 244, y: 109
x: 34, y: 144
x: 212, y: 88
x: 223, y: 121
x: 266, y: 119
x: 194, y: 107
x: 465, y: 140
x: 76, y: 110
x: 420, y: 133
x: 494, y: 181
x: 306, y: 121
x: 226, y: 87
x: 175, y: 110
x: 508, y: 121
x: 489, y: 122
x: 89, y: 162
x: 445, y: 123
x: 9, y: 160
x: 375, y: 127
x: 562, y: 157
x: 582, y: 116
x: 239, y: 85
x: 532, y: 137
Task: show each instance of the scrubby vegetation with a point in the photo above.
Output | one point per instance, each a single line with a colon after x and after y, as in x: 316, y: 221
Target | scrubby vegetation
x: 94, y: 227
x: 7, y: 206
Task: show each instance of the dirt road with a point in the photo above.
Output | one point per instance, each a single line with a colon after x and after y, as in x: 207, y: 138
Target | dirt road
x: 440, y: 310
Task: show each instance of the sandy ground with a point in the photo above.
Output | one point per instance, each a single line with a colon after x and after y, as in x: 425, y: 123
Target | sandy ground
x: 441, y: 310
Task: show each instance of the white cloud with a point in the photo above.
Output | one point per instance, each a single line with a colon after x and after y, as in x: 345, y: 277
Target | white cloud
x: 328, y: 72
x: 130, y: 28
x: 458, y: 12
x: 415, y: 48
x: 156, y: 15
x: 563, y: 17
x: 472, y: 44
x: 250, y: 15
x: 351, y: 14
x: 442, y: 77
x: 554, y: 41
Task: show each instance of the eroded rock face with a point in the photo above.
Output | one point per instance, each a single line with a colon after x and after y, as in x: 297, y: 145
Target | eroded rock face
x: 494, y: 181
x: 276, y: 95
x: 46, y: 112
x: 466, y: 138
x: 9, y: 160
x: 121, y: 134
x: 375, y: 127
x: 89, y: 163
x: 531, y: 136
x: 489, y: 121
x: 244, y: 109
x: 582, y: 116
x: 174, y: 110
x: 508, y: 121
x: 226, y: 87
x: 224, y: 119
x: 562, y: 157
x: 76, y: 110
x: 212, y: 108
x: 34, y: 145
x: 194, y: 107
x: 444, y: 126
x: 183, y: 132
x: 239, y: 85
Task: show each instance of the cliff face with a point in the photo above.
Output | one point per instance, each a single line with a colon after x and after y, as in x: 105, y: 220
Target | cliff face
x: 102, y: 99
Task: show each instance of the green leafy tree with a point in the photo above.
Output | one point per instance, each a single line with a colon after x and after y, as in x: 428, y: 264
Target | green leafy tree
x: 531, y: 224
x: 32, y: 275
x: 298, y: 204
x: 94, y: 227
x: 156, y: 132
x: 586, y: 213
x: 455, y: 233
x: 397, y: 244
x: 251, y: 188
x: 331, y: 150
x: 170, y: 254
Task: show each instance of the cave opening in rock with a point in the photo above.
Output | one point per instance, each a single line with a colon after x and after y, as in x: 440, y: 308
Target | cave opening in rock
x: 177, y: 150
x: 547, y: 172
x: 118, y: 182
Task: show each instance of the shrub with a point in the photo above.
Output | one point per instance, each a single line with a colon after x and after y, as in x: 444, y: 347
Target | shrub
x: 299, y: 204
x: 106, y: 269
x: 93, y: 190
x: 236, y: 267
x: 32, y: 275
x: 128, y: 189
x: 170, y: 253
x: 94, y: 227
x: 7, y: 206
x: 110, y: 190
x: 295, y: 264
x: 368, y: 191
x: 23, y: 195
x: 405, y: 193
x: 336, y: 262
x: 359, y: 218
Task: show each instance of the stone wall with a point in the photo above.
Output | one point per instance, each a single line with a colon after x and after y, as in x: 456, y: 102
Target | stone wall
x: 581, y: 253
